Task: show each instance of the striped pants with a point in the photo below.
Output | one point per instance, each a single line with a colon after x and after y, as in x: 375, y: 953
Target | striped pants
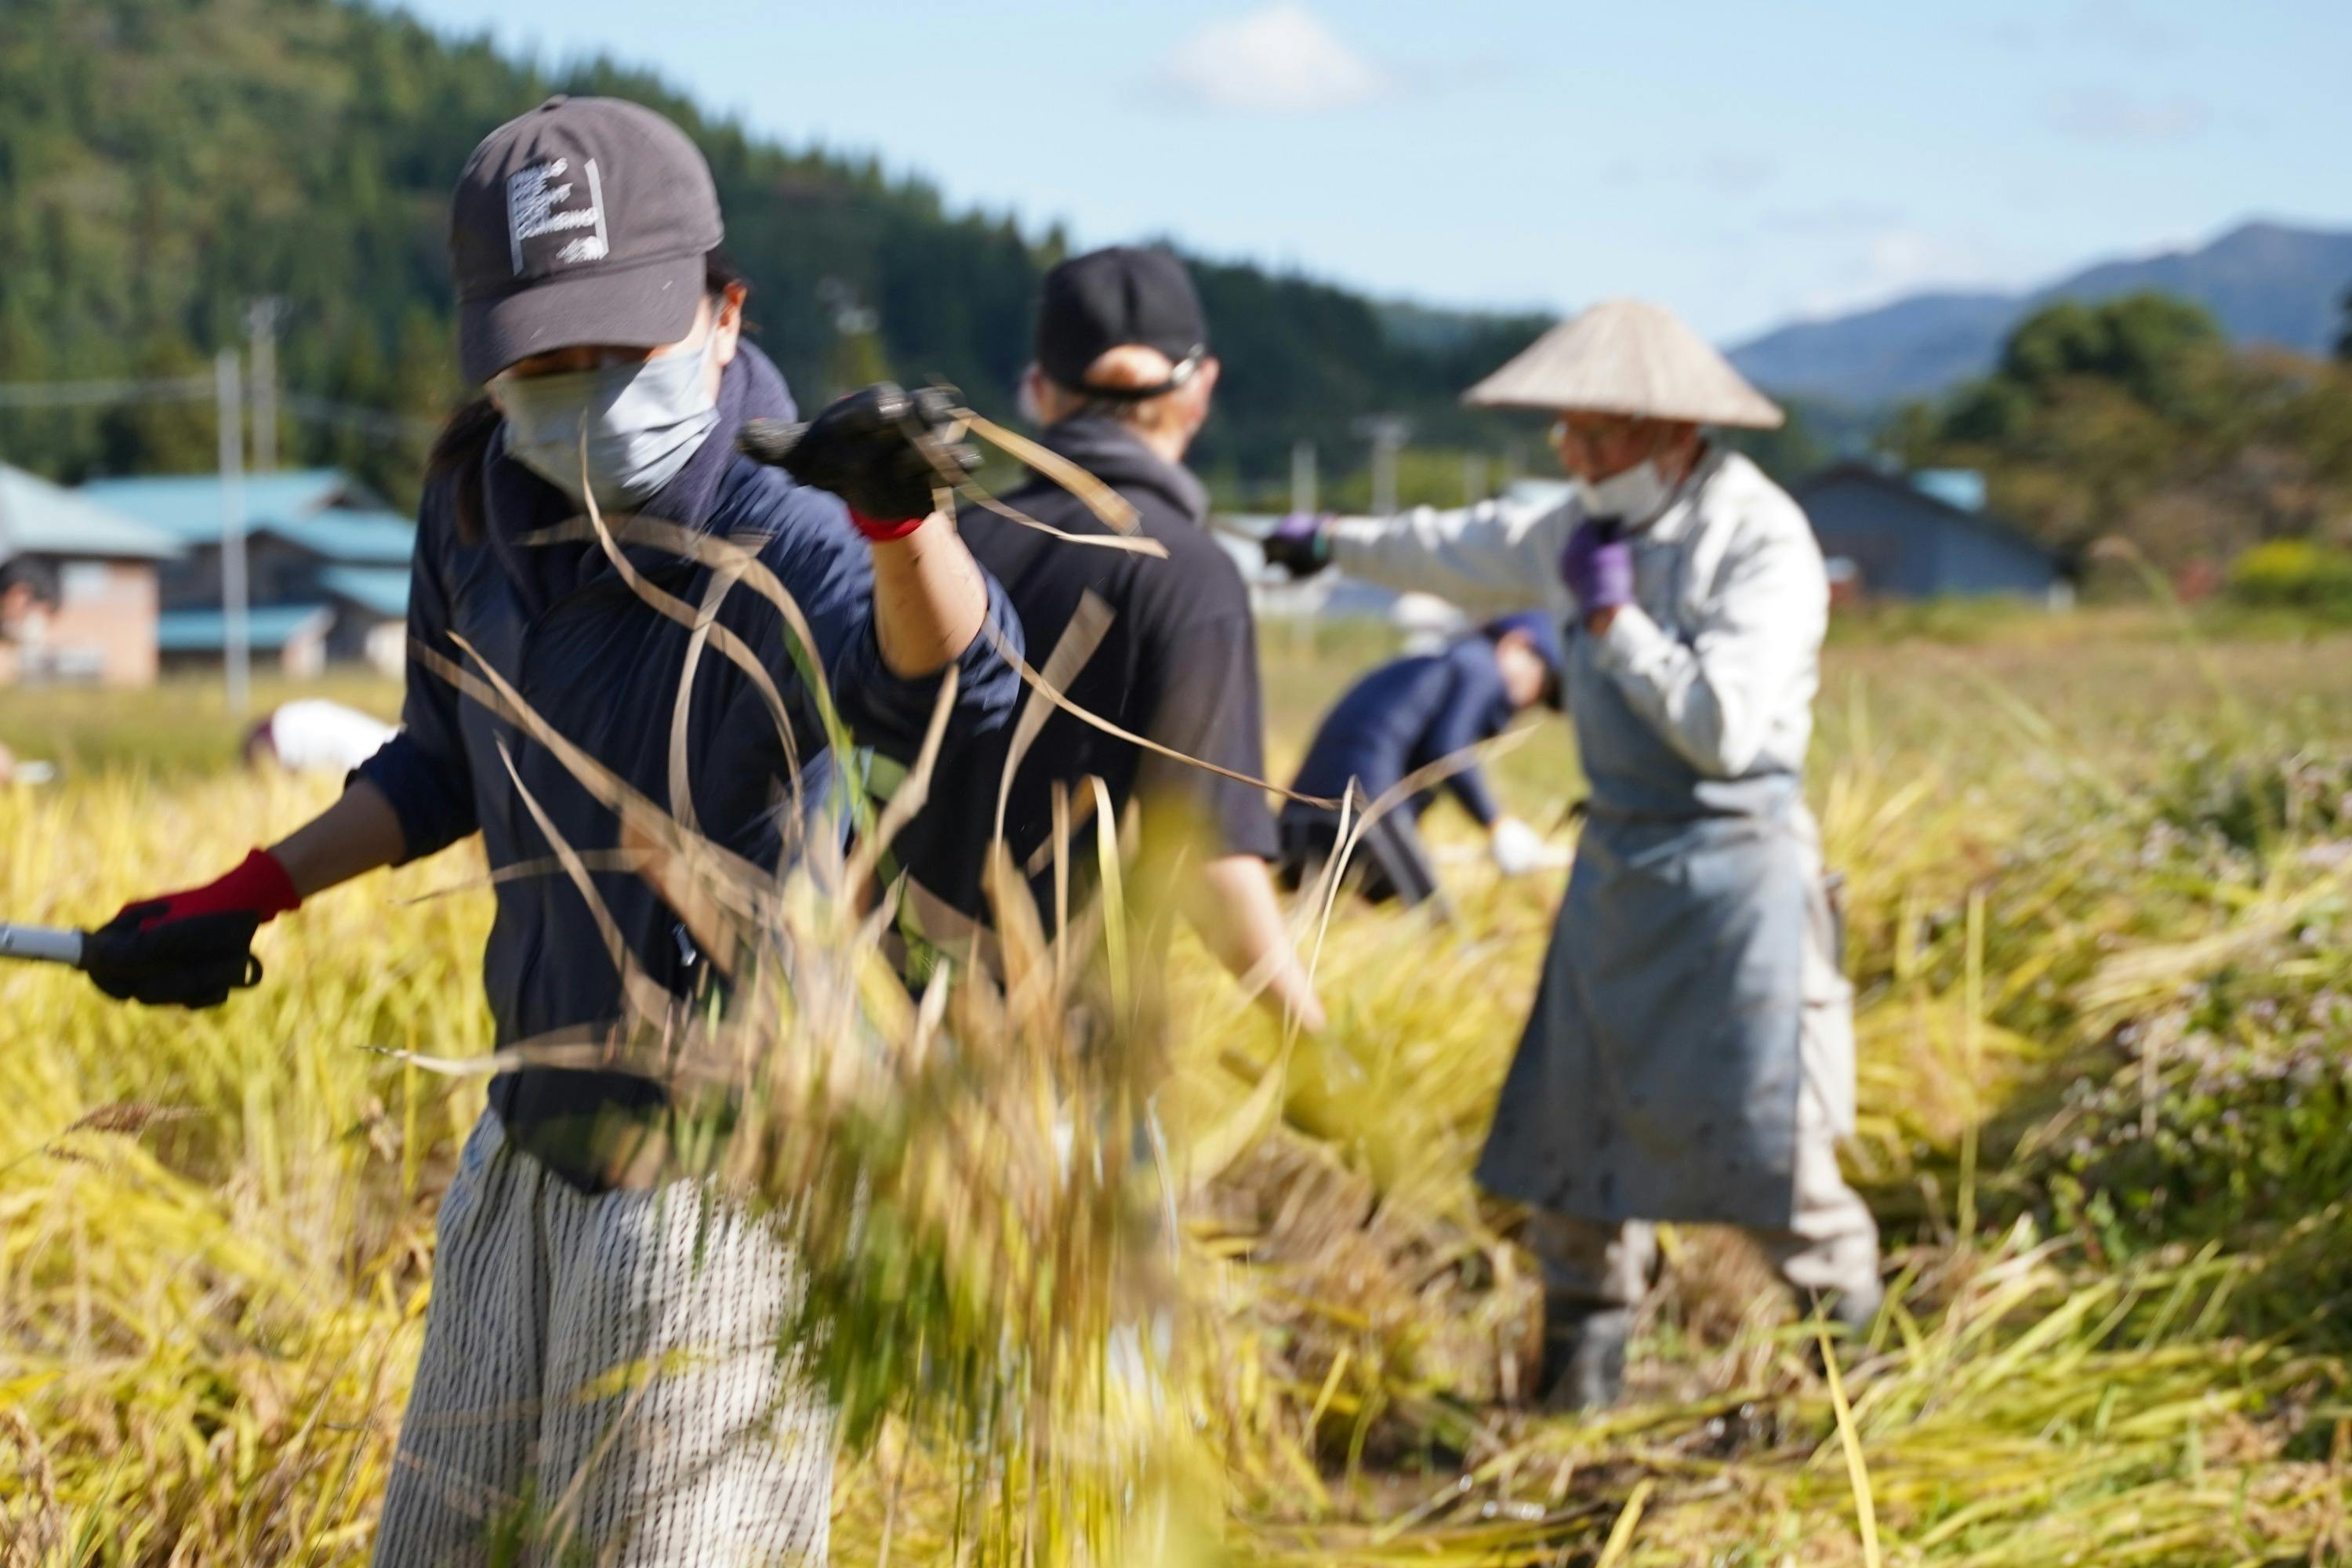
x: 601, y: 1383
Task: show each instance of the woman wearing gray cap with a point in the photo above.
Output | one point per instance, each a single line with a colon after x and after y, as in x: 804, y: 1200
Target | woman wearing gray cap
x: 595, y: 306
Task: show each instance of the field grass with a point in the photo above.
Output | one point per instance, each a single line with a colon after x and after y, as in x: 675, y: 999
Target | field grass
x: 2099, y: 877
x: 176, y: 729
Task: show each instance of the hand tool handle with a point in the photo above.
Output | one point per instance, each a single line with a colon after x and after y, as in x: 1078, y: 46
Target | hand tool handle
x: 42, y: 944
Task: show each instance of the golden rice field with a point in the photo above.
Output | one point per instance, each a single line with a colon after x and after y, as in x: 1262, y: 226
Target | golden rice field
x: 2099, y: 873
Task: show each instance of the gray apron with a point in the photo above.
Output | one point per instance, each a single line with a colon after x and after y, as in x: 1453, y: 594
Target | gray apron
x: 1659, y: 1074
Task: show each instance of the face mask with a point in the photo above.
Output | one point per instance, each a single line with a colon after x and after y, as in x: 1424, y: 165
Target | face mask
x: 1635, y: 497
x: 643, y: 422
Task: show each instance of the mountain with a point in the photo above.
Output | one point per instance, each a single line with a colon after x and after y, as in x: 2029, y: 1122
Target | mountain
x: 163, y: 163
x: 2266, y: 282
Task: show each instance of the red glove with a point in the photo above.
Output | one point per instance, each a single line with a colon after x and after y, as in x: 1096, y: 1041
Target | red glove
x: 260, y: 887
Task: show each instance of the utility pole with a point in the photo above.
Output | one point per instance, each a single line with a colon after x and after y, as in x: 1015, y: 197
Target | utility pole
x: 1387, y: 433
x: 261, y: 330
x: 230, y: 407
x: 857, y: 359
x: 1302, y: 476
x: 1303, y: 501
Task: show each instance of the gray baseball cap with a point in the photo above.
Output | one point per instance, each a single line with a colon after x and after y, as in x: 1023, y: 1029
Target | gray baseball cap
x: 585, y: 221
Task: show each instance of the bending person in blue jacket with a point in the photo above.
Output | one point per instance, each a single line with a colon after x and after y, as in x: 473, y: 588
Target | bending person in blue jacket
x: 1402, y: 716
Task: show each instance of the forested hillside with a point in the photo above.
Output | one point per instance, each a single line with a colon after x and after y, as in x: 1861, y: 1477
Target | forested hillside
x: 163, y: 163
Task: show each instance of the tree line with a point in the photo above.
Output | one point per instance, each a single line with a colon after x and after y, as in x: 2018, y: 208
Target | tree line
x: 2135, y: 419
x: 165, y: 163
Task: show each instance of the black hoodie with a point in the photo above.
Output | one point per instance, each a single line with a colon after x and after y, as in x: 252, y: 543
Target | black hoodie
x: 1179, y: 665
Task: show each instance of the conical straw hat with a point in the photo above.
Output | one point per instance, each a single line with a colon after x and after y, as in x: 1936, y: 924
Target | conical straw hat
x: 1626, y: 356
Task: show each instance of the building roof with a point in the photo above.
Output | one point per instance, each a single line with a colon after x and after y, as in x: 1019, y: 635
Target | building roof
x: 1902, y: 485
x: 187, y: 506
x: 1964, y: 488
x: 380, y: 590
x: 268, y: 627
x: 38, y: 517
x: 350, y: 538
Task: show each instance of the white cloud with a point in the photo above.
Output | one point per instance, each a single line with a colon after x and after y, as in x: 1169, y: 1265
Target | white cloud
x: 2126, y: 27
x: 1277, y: 59
x: 1846, y: 217
x: 1735, y: 174
x: 1900, y: 258
x: 1892, y: 262
x: 2011, y: 36
x: 1718, y: 173
x: 2112, y: 114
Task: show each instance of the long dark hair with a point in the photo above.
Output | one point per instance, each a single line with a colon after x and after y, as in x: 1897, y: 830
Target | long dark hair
x: 458, y: 451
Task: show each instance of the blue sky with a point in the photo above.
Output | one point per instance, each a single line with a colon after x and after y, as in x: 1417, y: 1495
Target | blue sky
x: 1742, y: 162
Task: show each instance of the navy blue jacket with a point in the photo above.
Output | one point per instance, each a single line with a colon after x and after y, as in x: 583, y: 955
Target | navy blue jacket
x: 1406, y: 715
x: 601, y: 666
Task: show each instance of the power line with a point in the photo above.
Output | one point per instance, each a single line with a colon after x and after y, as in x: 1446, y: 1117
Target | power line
x: 363, y: 421
x: 100, y: 393
x: 377, y: 423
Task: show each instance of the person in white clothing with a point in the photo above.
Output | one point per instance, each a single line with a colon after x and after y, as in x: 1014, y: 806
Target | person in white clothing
x: 314, y: 735
x: 1690, y: 1057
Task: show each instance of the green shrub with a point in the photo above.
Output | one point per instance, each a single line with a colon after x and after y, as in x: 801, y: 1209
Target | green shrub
x: 2294, y: 574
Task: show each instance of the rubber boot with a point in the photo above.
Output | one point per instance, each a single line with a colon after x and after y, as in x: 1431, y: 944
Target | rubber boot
x: 1851, y: 1315
x: 1584, y: 1357
x: 1856, y: 1310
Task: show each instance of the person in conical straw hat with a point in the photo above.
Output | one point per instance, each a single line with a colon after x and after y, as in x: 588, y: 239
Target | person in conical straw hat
x: 1690, y: 1057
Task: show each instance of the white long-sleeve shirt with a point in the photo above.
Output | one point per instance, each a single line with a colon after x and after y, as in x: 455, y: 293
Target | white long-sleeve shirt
x: 1720, y: 652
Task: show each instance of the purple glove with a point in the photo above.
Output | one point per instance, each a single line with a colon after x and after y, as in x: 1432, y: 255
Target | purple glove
x: 1298, y: 545
x: 1598, y: 568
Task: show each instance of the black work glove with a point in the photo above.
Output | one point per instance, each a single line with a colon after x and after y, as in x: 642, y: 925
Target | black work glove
x: 882, y: 450
x: 1298, y: 545
x: 193, y: 962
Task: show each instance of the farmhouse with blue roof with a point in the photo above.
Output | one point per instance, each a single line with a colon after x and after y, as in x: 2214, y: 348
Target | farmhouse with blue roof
x: 1891, y: 535
x: 326, y: 566
x: 77, y: 589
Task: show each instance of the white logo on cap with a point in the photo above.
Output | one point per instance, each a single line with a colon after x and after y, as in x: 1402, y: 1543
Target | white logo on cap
x: 539, y: 202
